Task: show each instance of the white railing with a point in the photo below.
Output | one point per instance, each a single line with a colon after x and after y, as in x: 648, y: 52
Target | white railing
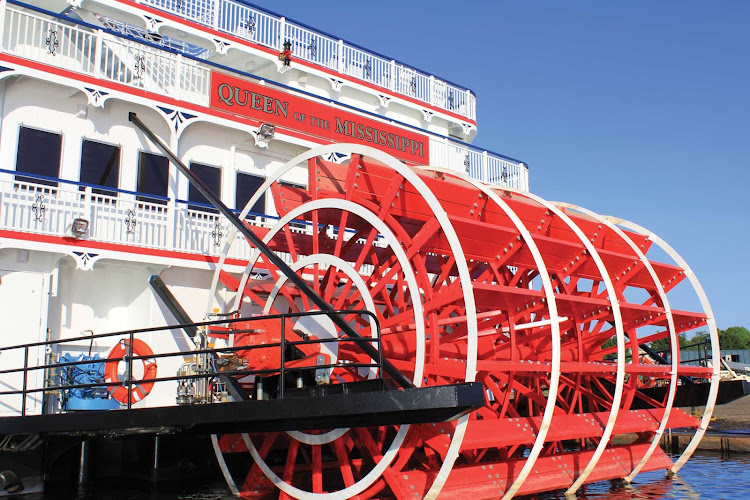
x: 168, y: 42
x: 46, y: 41
x: 201, y: 11
x: 99, y: 54
x: 42, y: 206
x: 142, y: 66
x: 481, y: 165
x: 127, y: 220
x: 257, y: 26
x: 32, y: 206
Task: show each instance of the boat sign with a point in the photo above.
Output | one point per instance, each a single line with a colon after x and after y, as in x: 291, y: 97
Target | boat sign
x: 268, y: 105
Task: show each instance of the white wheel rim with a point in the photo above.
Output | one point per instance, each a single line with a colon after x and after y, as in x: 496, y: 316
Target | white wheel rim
x: 471, y: 318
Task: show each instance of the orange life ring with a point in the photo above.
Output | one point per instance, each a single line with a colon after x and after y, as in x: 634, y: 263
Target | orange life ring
x: 138, y: 391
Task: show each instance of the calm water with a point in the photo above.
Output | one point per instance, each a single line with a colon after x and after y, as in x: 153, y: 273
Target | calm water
x: 704, y: 476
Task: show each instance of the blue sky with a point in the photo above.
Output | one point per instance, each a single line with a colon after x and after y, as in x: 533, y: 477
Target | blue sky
x: 638, y: 109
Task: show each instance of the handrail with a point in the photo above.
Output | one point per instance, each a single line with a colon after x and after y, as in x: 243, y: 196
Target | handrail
x: 241, y: 19
x: 207, y: 375
x: 81, y: 184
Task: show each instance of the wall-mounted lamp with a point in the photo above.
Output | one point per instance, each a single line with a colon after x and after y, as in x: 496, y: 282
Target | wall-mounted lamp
x: 264, y: 134
x: 80, y: 228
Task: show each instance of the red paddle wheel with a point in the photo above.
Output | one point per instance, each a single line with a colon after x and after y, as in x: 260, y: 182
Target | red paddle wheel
x: 551, y: 307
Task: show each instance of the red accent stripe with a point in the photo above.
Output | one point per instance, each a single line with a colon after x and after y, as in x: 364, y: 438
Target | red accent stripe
x: 162, y: 99
x: 115, y: 247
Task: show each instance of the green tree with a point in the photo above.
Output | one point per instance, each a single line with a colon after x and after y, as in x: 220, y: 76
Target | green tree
x: 662, y: 345
x: 697, y: 340
x: 735, y: 337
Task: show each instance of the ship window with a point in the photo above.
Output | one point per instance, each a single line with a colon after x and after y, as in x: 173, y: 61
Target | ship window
x: 247, y: 185
x: 39, y: 155
x: 153, y: 175
x: 211, y: 177
x: 100, y: 165
x: 295, y: 185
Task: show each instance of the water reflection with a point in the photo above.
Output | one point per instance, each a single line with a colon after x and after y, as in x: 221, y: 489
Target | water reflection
x: 704, y: 476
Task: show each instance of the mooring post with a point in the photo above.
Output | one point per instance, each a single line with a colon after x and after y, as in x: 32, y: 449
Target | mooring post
x: 84, y: 467
x: 155, y: 463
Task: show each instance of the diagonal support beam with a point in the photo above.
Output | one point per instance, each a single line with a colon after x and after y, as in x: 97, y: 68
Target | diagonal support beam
x: 169, y: 300
x: 282, y: 266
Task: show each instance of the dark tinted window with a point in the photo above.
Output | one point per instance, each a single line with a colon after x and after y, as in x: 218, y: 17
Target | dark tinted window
x: 38, y: 154
x: 153, y: 175
x: 100, y: 165
x: 247, y: 185
x: 292, y: 184
x: 211, y: 176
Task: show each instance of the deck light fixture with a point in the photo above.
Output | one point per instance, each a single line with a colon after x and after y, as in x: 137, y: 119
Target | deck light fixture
x: 80, y: 228
x: 264, y: 134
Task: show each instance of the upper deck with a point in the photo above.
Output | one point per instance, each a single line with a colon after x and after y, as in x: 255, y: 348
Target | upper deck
x: 74, y: 81
x: 244, y: 37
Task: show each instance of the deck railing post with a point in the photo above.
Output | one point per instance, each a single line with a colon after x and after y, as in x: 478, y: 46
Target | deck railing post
x: 180, y: 89
x: 98, y: 46
x: 485, y: 159
x: 393, y: 75
x: 129, y: 371
x: 380, y: 346
x: 283, y: 342
x: 88, y: 210
x: 217, y: 14
x: 340, y: 61
x: 25, y: 379
x: 3, y: 8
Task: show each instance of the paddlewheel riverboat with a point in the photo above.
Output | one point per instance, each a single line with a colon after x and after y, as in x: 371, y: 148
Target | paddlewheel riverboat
x: 216, y: 221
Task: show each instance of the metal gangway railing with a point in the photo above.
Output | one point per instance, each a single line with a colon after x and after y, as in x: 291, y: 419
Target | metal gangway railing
x: 212, y: 376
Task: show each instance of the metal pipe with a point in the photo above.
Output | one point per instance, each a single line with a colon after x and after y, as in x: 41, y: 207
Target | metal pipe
x: 84, y: 472
x: 157, y: 446
x: 254, y: 240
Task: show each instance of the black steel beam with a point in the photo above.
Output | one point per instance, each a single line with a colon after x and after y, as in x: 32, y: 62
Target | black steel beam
x: 169, y: 300
x: 662, y: 361
x: 254, y: 240
x: 171, y: 303
x: 695, y: 394
x: 358, y: 409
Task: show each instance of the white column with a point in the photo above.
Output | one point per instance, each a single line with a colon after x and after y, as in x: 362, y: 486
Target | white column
x: 70, y: 156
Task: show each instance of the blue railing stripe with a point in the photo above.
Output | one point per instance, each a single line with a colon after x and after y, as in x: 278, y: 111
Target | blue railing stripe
x: 82, y: 184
